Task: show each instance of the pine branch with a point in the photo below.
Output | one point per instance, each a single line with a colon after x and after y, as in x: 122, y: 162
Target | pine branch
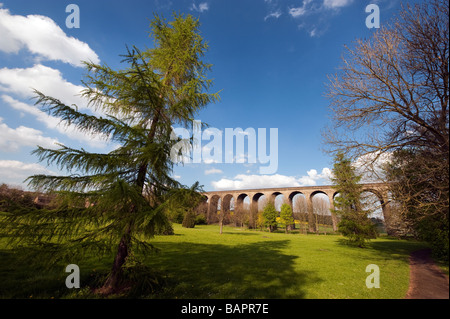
x: 110, y: 128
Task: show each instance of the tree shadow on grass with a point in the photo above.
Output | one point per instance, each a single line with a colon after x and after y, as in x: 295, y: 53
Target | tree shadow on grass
x: 189, y: 270
x: 388, y: 247
x: 19, y: 279
x: 257, y: 270
x: 391, y: 247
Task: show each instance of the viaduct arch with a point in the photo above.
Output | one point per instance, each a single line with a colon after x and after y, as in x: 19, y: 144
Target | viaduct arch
x: 380, y: 190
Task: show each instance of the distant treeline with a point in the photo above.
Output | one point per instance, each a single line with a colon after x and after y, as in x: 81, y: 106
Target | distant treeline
x: 13, y: 198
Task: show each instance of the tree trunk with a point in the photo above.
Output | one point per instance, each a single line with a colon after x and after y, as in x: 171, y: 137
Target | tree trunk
x: 112, y: 283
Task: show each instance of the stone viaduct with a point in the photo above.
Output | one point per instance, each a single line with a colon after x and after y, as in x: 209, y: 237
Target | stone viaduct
x: 226, y: 197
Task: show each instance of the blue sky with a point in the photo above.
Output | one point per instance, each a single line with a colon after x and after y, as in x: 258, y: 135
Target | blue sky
x: 270, y: 61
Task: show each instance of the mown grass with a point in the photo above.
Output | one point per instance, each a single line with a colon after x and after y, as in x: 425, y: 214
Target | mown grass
x: 201, y: 263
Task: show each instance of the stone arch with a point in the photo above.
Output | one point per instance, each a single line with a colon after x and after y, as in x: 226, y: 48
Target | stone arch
x: 239, y: 201
x: 291, y: 198
x: 254, y: 201
x: 333, y: 194
x: 254, y: 208
x: 213, y: 208
x: 383, y: 198
x: 255, y: 197
x: 322, y: 214
x: 299, y: 204
x: 226, y: 202
x: 278, y: 199
x: 273, y: 195
x: 203, y: 207
x: 225, y: 210
x: 317, y: 192
x: 257, y: 202
x: 291, y: 195
x: 376, y: 192
x: 335, y: 218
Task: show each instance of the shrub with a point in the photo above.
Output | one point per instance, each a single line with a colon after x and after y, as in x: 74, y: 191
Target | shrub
x: 200, y: 220
x: 189, y: 219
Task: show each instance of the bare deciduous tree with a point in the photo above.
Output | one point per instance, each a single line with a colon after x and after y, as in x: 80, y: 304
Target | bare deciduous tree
x: 301, y: 213
x: 392, y: 90
x: 321, y: 212
x: 389, y: 100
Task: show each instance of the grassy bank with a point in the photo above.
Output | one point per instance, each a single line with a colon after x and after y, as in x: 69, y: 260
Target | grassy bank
x: 201, y: 263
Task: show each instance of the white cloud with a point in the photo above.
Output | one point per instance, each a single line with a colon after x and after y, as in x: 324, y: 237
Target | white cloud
x: 43, y: 37
x: 48, y: 120
x: 15, y: 172
x: 313, y: 176
x: 44, y: 40
x: 13, y: 139
x: 213, y: 171
x: 275, y: 14
x: 334, y: 4
x: 297, y: 12
x: 371, y: 166
x: 54, y: 123
x: 315, y: 15
x: 211, y: 161
x: 313, y: 32
x: 300, y: 11
x: 273, y: 10
x: 49, y: 81
x: 243, y: 181
x: 42, y: 78
x: 204, y: 6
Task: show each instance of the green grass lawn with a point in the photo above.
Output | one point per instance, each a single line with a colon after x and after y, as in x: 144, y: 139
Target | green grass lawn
x: 201, y: 263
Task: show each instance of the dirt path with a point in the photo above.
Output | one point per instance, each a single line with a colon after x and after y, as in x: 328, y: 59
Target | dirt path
x: 426, y: 281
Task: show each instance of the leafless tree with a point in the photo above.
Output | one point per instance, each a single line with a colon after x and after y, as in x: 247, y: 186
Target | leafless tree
x: 202, y: 210
x: 241, y: 215
x: 321, y: 212
x: 392, y: 90
x: 301, y: 213
x: 389, y: 101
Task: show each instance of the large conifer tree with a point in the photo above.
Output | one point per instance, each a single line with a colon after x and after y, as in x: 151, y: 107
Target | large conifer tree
x: 354, y: 222
x: 129, y: 188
